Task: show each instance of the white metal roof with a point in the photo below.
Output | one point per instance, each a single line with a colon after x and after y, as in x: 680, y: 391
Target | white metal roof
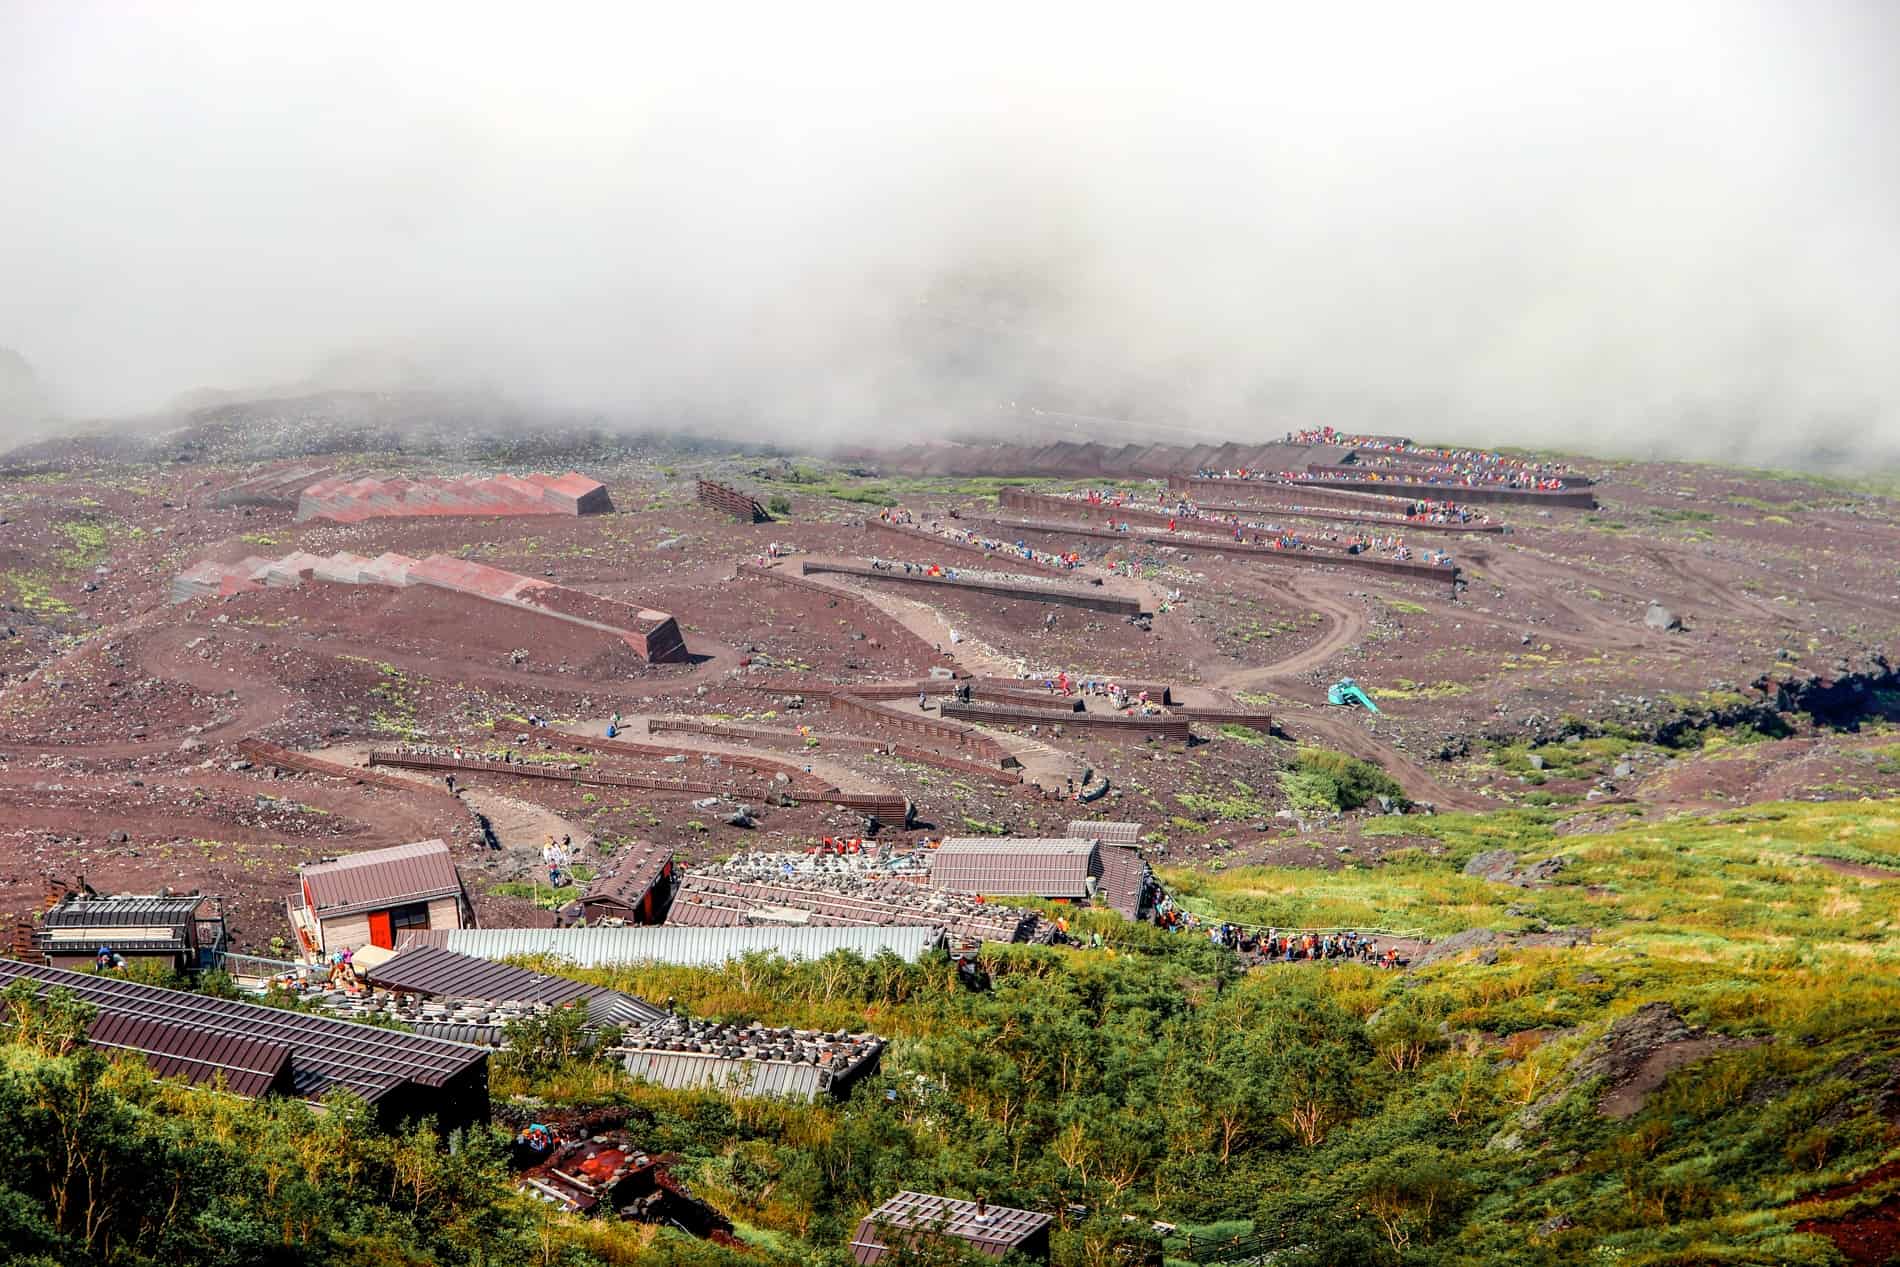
x: 689, y: 946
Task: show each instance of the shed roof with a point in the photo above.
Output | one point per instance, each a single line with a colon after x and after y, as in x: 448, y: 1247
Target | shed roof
x: 1124, y: 878
x: 248, y: 1067
x: 123, y: 911
x: 325, y: 1053
x: 691, y: 947
x: 376, y: 878
x: 1113, y: 833
x: 630, y: 880
x: 432, y: 970
x: 998, y: 1229
x: 1038, y: 868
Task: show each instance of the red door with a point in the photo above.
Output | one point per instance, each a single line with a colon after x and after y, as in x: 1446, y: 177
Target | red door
x: 379, y: 931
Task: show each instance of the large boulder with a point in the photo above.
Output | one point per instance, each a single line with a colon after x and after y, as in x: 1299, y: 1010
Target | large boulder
x: 1662, y: 620
x: 1492, y: 864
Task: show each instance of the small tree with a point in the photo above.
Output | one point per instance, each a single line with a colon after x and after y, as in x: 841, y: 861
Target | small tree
x: 540, y: 1044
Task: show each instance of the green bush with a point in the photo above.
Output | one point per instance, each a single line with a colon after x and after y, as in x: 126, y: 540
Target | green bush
x: 1321, y: 779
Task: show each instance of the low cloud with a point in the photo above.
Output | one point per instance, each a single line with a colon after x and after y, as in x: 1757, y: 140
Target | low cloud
x: 1658, y: 230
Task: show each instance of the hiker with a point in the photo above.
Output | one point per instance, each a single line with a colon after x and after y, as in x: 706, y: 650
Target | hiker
x: 449, y: 779
x: 923, y: 702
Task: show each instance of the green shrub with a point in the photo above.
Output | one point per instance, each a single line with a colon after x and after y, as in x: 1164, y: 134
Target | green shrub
x: 1321, y: 779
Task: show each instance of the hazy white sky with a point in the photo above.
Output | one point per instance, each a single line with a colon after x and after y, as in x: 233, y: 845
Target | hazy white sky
x: 1605, y: 225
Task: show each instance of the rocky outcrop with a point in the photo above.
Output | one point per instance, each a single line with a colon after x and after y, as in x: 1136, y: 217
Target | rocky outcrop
x: 1500, y: 867
x: 1631, y: 1059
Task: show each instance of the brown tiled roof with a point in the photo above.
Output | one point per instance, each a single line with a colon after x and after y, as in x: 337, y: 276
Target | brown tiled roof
x: 382, y: 877
x: 325, y: 1054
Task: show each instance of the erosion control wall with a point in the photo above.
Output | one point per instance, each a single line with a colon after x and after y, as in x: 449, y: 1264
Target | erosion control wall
x: 730, y: 501
x: 1126, y: 727
x: 1110, y: 603
x: 1001, y: 561
x: 1353, y: 477
x: 871, y: 622
x: 1446, y: 575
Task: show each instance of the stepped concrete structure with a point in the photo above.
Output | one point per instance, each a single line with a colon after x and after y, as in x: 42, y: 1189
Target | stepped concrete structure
x: 342, y: 500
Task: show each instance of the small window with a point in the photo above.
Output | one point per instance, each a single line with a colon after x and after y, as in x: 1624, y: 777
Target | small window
x: 407, y: 917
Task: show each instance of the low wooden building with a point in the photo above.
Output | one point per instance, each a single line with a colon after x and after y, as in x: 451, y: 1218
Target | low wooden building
x: 636, y: 890
x: 182, y: 933
x: 373, y: 898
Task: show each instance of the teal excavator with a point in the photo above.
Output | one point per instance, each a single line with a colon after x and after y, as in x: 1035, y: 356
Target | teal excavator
x: 1345, y: 693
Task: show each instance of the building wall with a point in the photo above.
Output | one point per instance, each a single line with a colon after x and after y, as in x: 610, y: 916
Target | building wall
x: 351, y: 932
x: 345, y: 932
x: 445, y: 912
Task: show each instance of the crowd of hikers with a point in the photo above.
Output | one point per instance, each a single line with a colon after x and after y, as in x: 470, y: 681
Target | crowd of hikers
x: 1263, y: 533
x: 1275, y: 945
x: 899, y: 517
x: 1424, y: 465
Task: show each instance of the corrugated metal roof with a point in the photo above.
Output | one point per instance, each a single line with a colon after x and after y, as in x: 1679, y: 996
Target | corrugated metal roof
x: 1113, y: 833
x: 1036, y: 868
x: 688, y: 1070
x: 996, y: 1230
x: 630, y: 880
x: 126, y: 911
x: 382, y: 877
x: 1053, y: 846
x: 689, y: 947
x: 441, y: 973
x: 248, y: 1067
x: 1124, y: 879
x: 325, y: 1053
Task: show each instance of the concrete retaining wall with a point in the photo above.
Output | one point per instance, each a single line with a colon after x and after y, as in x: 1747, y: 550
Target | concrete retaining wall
x: 1480, y: 494
x: 1000, y: 561
x: 1289, y: 558
x: 729, y: 501
x: 961, y: 737
x: 1221, y: 717
x: 871, y: 622
x: 1127, y: 727
x: 1110, y: 603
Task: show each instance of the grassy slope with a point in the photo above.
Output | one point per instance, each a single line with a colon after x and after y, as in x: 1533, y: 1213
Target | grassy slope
x: 1430, y: 1156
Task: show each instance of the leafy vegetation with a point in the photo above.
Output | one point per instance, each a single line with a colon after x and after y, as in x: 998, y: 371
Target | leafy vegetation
x: 1343, y: 1113
x: 1322, y: 780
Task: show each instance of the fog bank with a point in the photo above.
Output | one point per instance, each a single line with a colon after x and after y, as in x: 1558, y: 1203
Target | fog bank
x: 1621, y: 228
